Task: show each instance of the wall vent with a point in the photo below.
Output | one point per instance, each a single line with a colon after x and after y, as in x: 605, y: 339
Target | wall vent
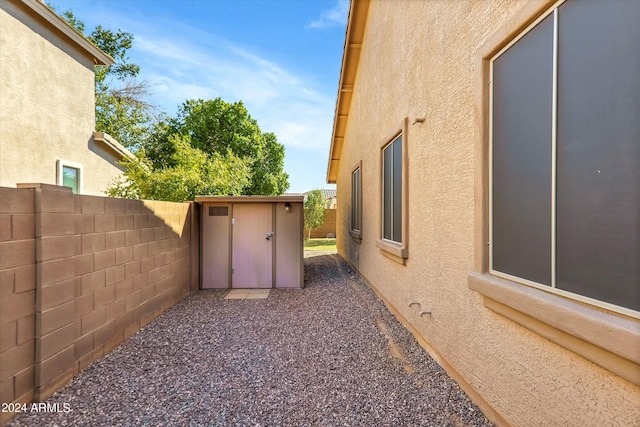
x: 218, y: 210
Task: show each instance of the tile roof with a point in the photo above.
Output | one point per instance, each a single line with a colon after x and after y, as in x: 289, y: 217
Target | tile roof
x: 326, y: 194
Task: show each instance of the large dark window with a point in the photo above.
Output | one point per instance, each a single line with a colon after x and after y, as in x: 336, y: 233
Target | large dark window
x: 565, y: 192
x: 392, y: 191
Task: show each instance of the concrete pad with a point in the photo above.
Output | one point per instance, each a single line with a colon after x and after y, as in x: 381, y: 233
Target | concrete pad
x: 258, y: 294
x: 236, y: 294
x: 248, y: 294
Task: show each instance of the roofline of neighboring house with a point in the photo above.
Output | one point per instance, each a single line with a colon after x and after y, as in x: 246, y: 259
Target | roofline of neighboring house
x: 111, y: 143
x: 41, y: 12
x: 350, y: 57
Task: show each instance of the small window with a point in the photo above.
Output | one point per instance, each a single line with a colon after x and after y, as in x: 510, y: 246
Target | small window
x: 393, y: 231
x: 356, y: 203
x: 70, y: 175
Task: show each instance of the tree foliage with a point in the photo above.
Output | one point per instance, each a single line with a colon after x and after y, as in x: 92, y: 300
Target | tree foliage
x: 211, y: 147
x: 122, y: 109
x: 215, y: 126
x: 193, y: 172
x: 313, y: 210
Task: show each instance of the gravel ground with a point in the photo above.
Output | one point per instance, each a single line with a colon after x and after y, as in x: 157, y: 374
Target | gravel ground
x: 327, y: 355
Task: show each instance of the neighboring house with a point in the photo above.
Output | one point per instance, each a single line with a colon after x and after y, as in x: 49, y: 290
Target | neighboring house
x: 487, y: 156
x: 47, y: 107
x: 330, y: 196
x: 328, y: 227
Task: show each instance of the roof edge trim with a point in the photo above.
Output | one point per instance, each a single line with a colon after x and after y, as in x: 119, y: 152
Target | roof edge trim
x: 43, y: 11
x: 356, y: 24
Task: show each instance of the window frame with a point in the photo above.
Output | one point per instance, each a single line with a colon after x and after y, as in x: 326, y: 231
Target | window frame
x: 60, y: 165
x: 552, y: 287
x: 597, y: 331
x: 356, y: 203
x: 397, y: 251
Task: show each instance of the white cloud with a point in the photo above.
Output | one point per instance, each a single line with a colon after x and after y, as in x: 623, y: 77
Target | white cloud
x: 199, y: 66
x: 337, y: 15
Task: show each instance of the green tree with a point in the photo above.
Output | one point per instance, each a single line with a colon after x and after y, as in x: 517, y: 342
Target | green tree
x: 215, y: 126
x: 122, y: 107
x: 313, y: 211
x: 192, y: 172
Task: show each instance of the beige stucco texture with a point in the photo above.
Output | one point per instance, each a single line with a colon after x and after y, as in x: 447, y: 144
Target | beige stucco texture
x: 47, y: 108
x: 417, y: 61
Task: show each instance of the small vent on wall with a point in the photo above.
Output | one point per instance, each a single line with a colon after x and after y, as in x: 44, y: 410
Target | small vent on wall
x: 218, y: 210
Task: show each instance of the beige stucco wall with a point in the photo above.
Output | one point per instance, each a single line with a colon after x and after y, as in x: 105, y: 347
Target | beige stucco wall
x: 417, y: 60
x: 47, y: 108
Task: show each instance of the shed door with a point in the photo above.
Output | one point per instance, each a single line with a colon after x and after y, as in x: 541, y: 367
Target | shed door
x: 215, y: 246
x: 252, y: 251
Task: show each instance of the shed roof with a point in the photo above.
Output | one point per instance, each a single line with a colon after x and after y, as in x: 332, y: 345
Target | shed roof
x: 249, y: 199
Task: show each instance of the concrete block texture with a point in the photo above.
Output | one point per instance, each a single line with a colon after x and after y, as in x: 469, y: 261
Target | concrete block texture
x: 16, y: 253
x: 5, y: 227
x: 22, y: 226
x: 78, y: 275
x: 17, y: 200
x: 55, y: 201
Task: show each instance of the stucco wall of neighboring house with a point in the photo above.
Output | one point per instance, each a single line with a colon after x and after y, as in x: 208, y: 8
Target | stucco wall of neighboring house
x: 47, y: 110
x: 417, y: 60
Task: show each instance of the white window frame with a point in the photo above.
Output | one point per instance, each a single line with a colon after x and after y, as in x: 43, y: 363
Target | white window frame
x: 61, y: 164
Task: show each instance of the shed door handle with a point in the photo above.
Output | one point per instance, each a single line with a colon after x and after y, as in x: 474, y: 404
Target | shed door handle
x: 269, y: 235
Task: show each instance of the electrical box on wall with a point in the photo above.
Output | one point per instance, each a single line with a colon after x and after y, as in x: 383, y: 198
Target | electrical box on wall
x: 252, y: 242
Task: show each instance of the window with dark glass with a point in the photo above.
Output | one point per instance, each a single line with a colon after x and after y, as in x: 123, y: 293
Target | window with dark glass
x: 565, y: 154
x: 355, y: 200
x: 392, y: 191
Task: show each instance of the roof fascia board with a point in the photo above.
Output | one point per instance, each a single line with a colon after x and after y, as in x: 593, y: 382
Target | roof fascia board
x: 356, y: 24
x: 42, y: 12
x: 249, y: 199
x: 114, y: 145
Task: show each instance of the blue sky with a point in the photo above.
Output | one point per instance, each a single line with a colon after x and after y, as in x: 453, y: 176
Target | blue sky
x: 280, y: 57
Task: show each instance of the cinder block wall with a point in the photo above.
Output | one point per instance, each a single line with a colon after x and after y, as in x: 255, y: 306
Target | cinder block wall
x: 81, y: 274
x: 328, y: 226
x: 17, y: 296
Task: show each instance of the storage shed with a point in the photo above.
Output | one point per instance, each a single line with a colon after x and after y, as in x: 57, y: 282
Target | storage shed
x: 252, y: 242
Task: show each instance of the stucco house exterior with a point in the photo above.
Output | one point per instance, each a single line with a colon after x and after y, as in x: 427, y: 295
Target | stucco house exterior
x: 47, y: 112
x: 487, y: 156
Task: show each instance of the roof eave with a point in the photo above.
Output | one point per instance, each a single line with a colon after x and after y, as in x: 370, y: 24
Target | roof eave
x: 59, y: 25
x: 350, y: 57
x: 114, y: 145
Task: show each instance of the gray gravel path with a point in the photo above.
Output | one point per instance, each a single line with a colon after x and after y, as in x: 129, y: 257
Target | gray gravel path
x: 328, y: 355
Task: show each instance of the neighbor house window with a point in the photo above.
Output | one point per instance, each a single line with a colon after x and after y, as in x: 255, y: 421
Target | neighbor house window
x: 393, y: 194
x: 356, y: 203
x: 70, y: 175
x: 565, y: 155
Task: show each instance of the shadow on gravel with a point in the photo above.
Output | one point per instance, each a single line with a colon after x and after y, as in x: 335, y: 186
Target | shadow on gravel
x: 329, y: 354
